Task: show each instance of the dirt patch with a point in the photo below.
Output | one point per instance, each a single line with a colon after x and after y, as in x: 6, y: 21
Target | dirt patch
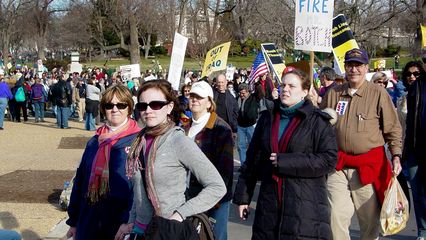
x: 73, y: 142
x: 25, y: 186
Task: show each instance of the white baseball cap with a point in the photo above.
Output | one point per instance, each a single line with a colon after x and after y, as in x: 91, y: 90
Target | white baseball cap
x: 202, y: 89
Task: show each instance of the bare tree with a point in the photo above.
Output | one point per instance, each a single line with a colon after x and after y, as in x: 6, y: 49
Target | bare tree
x: 10, y: 12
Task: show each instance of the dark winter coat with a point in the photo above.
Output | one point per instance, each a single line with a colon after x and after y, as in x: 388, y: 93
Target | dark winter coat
x: 231, y: 109
x: 62, y: 94
x: 248, y: 115
x: 216, y: 142
x: 415, y: 138
x: 102, y: 219
x: 310, y: 156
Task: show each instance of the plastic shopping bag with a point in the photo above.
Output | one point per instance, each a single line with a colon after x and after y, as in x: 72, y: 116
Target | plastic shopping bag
x: 394, y: 214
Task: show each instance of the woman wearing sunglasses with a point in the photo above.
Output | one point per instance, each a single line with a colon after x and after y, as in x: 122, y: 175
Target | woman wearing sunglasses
x: 396, y: 90
x: 214, y: 137
x: 102, y: 195
x: 415, y: 140
x: 158, y: 164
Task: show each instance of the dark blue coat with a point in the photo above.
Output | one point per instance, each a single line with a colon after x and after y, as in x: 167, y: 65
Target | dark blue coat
x: 102, y: 219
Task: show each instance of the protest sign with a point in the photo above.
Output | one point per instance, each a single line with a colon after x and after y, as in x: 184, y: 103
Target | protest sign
x: 130, y: 71
x: 423, y: 30
x: 230, y: 71
x: 176, y: 62
x: 313, y: 25
x: 274, y: 60
x: 380, y: 63
x: 216, y: 59
x: 343, y: 40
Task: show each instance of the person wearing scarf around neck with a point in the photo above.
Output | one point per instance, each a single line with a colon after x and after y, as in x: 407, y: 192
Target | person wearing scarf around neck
x: 292, y: 150
x: 158, y: 165
x: 214, y: 137
x: 102, y: 194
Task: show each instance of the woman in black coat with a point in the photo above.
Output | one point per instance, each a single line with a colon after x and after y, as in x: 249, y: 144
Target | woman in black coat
x: 291, y: 152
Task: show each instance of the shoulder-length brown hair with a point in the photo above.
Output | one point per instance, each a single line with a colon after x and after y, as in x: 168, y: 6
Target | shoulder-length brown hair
x: 122, y: 93
x: 166, y: 88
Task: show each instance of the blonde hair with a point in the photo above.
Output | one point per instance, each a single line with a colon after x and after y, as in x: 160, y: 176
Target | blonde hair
x: 213, y: 105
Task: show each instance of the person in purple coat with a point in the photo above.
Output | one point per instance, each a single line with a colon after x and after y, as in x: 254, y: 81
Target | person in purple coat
x: 5, y: 96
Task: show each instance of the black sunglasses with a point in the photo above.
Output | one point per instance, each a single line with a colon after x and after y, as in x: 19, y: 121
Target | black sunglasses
x: 416, y: 74
x: 154, y: 105
x: 120, y: 106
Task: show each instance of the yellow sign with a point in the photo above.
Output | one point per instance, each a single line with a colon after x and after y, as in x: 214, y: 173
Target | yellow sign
x: 216, y: 59
x: 423, y: 36
x: 380, y: 64
x: 343, y: 40
x: 274, y: 59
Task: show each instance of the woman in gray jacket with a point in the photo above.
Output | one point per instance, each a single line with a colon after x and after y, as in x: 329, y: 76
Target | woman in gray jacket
x: 159, y: 161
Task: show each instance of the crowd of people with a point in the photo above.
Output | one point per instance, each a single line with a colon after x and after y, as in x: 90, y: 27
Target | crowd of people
x: 161, y: 156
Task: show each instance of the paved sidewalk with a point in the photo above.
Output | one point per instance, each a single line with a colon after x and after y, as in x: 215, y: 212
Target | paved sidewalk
x: 31, y: 146
x: 34, y: 146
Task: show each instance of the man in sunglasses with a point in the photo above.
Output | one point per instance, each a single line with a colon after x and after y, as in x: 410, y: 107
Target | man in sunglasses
x: 366, y: 121
x: 414, y: 155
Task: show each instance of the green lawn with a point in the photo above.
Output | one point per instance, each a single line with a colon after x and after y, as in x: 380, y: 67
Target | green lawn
x: 189, y: 63
x: 196, y: 64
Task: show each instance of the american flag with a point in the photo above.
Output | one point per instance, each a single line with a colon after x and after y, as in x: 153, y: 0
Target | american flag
x: 258, y: 69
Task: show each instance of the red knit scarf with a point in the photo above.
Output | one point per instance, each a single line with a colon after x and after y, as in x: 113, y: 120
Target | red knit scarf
x: 99, y: 176
x: 373, y: 167
x: 281, y: 146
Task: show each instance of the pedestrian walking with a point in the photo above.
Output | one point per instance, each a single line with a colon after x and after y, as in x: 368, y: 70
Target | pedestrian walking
x: 292, y: 150
x: 367, y: 120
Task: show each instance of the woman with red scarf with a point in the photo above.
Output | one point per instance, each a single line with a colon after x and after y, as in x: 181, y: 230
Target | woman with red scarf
x: 102, y: 195
x: 292, y: 151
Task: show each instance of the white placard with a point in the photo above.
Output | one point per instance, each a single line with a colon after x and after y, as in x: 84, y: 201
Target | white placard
x: 369, y: 75
x: 313, y: 25
x: 130, y: 71
x: 176, y: 62
x: 230, y: 73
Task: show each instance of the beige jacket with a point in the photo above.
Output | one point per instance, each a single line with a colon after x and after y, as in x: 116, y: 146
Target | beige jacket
x: 366, y: 119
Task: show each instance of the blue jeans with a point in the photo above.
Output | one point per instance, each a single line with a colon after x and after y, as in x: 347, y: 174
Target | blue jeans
x: 55, y: 110
x: 62, y: 116
x: 419, y: 194
x: 90, y: 122
x: 39, y: 110
x: 244, y: 137
x: 9, y: 235
x: 3, y: 104
x: 221, y: 215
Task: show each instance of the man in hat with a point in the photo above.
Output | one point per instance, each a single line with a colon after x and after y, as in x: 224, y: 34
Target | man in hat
x: 366, y: 121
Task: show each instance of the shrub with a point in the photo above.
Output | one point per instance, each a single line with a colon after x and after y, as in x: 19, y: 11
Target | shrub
x: 56, y: 63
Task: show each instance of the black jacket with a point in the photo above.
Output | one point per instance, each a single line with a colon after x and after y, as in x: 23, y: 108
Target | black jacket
x: 415, y: 138
x: 248, y: 115
x: 231, y: 109
x: 310, y: 156
x: 61, y: 94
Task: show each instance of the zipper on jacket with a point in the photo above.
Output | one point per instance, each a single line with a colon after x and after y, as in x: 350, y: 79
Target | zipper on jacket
x: 282, y: 210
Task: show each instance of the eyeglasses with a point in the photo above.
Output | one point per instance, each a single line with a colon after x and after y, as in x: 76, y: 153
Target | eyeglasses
x: 416, y: 74
x: 120, y: 106
x: 382, y: 82
x: 154, y: 105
